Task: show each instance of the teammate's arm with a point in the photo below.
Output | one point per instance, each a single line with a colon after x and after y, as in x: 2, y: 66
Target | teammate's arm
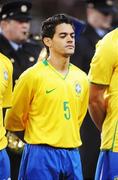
x: 97, y: 104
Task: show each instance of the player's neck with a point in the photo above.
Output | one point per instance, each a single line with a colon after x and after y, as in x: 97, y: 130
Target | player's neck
x: 60, y: 64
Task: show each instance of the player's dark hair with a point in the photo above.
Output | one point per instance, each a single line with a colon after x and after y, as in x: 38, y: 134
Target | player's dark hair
x: 49, y: 25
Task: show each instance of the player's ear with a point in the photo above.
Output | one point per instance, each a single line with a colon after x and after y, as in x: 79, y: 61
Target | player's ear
x: 47, y: 41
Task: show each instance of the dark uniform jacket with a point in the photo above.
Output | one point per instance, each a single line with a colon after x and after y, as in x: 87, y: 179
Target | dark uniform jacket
x: 21, y: 59
x: 85, y: 48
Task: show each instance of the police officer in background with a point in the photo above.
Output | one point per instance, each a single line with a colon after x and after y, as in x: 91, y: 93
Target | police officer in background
x: 99, y: 22
x: 15, y: 18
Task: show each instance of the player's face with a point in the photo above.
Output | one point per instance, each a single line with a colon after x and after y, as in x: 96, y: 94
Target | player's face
x: 63, y: 41
x: 18, y: 30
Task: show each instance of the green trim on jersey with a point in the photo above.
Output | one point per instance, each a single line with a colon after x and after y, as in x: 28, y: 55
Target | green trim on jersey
x: 46, y: 63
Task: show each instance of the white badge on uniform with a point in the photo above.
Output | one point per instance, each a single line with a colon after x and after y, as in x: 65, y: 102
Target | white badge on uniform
x: 78, y: 88
x: 5, y: 75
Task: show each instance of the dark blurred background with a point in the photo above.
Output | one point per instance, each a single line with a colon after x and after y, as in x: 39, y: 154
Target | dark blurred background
x: 45, y: 8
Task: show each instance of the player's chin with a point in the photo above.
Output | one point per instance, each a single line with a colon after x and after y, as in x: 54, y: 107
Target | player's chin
x: 70, y: 51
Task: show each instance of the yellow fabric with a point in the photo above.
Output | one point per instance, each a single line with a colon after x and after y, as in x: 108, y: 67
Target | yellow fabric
x: 5, y: 93
x: 48, y: 106
x: 104, y: 70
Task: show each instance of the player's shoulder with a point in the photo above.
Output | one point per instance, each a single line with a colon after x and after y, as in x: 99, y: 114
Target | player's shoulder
x: 32, y: 71
x: 78, y: 70
x: 109, y: 41
x: 3, y: 58
x: 81, y: 76
x: 5, y: 61
x: 111, y: 36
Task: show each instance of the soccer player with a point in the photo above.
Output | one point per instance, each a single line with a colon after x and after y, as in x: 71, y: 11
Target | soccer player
x: 6, y: 70
x: 49, y: 104
x: 104, y: 104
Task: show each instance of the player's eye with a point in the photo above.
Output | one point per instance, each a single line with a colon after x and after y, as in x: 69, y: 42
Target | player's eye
x: 73, y: 35
x: 62, y: 36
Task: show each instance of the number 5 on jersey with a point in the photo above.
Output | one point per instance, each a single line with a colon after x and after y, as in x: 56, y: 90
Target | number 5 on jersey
x: 66, y: 110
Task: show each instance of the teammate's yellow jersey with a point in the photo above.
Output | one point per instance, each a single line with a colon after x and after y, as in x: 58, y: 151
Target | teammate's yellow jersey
x: 5, y: 93
x: 104, y: 70
x: 50, y: 107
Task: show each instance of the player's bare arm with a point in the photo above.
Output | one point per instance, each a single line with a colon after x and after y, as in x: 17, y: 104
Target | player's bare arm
x: 97, y: 104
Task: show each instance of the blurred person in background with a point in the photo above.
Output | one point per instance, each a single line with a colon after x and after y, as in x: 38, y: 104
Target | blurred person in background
x: 15, y: 24
x: 15, y: 21
x: 99, y: 22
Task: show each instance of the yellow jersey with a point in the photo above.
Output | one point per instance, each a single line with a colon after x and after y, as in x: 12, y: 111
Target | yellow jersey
x: 5, y: 93
x: 104, y: 70
x: 50, y: 107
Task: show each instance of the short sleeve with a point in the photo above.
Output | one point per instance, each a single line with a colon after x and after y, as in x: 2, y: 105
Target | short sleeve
x: 6, y: 71
x: 103, y: 62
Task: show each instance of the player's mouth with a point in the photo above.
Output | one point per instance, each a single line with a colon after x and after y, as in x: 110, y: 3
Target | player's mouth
x: 70, y: 46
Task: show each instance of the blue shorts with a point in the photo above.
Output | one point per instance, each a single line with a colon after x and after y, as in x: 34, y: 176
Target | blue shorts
x: 107, y: 167
x: 42, y: 162
x: 4, y: 165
